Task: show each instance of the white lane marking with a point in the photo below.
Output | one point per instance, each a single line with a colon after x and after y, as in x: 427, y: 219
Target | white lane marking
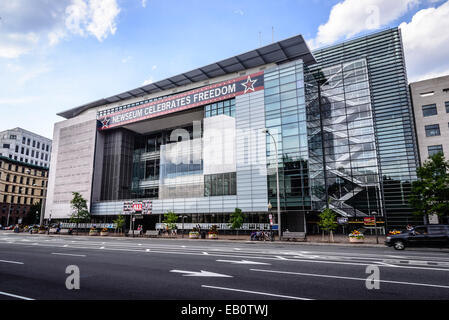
x: 147, y: 250
x: 205, y: 253
x: 243, y: 262
x: 256, y: 292
x: 13, y: 262
x: 202, y: 273
x: 14, y: 296
x: 69, y: 254
x: 256, y: 257
x: 281, y: 258
x: 351, y: 278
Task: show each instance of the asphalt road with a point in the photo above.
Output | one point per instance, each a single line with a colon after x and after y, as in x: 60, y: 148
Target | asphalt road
x: 34, y: 267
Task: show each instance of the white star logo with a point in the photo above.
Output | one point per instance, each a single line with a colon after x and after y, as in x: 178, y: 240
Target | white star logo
x: 249, y: 85
x: 105, y: 123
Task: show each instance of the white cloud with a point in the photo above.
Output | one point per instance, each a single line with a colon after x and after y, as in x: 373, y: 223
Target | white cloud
x: 102, y: 18
x: 239, y: 11
x: 28, y: 25
x: 350, y: 17
x: 426, y: 42
x: 154, y: 67
x: 148, y: 81
x: 127, y: 59
x: 144, y: 3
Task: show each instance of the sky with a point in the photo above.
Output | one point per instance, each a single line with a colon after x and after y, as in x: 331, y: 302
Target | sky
x: 59, y: 54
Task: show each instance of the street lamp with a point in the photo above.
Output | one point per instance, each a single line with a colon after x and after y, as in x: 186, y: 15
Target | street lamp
x: 375, y: 226
x: 270, y: 206
x: 266, y: 131
x: 183, y: 225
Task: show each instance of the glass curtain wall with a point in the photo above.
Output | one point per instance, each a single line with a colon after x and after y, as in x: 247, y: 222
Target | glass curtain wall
x: 343, y: 159
x: 392, y: 114
x: 286, y: 120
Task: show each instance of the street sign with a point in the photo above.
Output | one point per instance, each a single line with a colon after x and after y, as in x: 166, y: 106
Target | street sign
x: 369, y: 221
x: 137, y: 206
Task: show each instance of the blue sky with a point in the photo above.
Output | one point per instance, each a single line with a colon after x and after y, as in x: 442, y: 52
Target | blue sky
x: 55, y: 55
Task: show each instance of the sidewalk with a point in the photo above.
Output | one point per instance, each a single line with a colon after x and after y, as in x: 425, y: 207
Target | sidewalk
x: 339, y: 240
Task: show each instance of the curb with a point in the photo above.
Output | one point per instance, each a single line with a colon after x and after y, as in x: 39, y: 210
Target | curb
x: 366, y: 245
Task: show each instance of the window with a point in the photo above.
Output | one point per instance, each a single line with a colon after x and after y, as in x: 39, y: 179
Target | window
x: 434, y: 149
x: 427, y: 94
x: 6, y: 146
x: 432, y: 130
x: 222, y: 184
x: 429, y: 110
x: 17, y: 148
x: 13, y: 137
x: 226, y: 107
x: 447, y: 106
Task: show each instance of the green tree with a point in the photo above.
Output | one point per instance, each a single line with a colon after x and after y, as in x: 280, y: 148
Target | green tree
x: 80, y: 212
x: 33, y: 216
x: 236, y: 219
x: 120, y: 222
x: 430, y: 193
x: 328, y: 223
x: 170, y: 219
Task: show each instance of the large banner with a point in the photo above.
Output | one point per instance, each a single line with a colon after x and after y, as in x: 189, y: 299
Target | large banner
x: 191, y: 99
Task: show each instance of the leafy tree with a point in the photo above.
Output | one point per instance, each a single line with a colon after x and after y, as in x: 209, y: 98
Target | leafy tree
x: 170, y: 219
x: 430, y: 193
x: 80, y: 212
x: 327, y: 222
x: 33, y: 216
x: 236, y: 219
x: 120, y: 222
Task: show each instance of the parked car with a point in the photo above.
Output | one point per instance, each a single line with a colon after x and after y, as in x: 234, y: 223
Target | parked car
x: 432, y: 235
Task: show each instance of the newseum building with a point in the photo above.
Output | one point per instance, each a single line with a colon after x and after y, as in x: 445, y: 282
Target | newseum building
x: 194, y: 143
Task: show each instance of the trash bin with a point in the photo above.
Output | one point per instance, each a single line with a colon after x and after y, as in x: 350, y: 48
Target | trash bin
x: 203, y: 235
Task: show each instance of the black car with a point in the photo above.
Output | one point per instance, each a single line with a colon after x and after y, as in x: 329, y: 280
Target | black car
x: 432, y: 235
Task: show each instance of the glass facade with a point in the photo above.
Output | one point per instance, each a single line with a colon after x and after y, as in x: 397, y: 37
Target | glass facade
x: 392, y: 118
x: 344, y: 169
x: 344, y: 134
x: 285, y: 118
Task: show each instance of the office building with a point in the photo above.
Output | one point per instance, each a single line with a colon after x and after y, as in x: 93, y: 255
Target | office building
x: 22, y: 185
x: 25, y: 146
x: 194, y: 143
x: 431, y: 108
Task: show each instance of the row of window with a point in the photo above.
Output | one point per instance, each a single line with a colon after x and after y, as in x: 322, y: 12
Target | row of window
x: 18, y: 189
x: 431, y: 109
x: 224, y: 107
x: 23, y: 169
x: 28, y: 142
x: 22, y: 180
x: 33, y: 162
x: 127, y: 106
x: 17, y: 200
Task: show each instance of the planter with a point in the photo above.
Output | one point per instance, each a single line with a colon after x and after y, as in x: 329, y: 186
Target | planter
x: 104, y: 233
x: 93, y: 233
x: 213, y: 235
x: 194, y: 235
x: 355, y: 240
